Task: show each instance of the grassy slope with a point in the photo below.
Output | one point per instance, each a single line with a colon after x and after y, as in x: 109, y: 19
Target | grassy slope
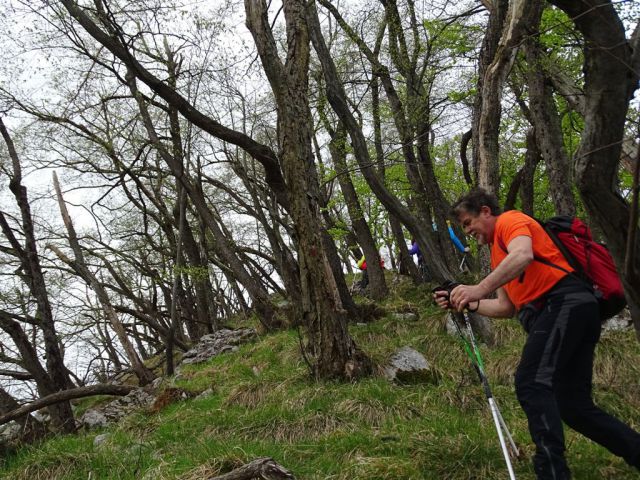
x: 263, y: 404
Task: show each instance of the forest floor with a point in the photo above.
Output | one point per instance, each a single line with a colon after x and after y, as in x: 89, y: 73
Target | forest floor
x: 262, y: 403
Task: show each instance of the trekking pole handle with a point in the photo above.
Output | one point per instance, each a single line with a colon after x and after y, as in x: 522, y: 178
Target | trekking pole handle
x: 448, y: 287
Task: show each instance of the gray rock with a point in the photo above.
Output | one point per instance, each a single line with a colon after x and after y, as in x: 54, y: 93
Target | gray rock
x: 409, y: 366
x: 621, y: 321
x: 100, y: 439
x: 405, y: 317
x: 40, y: 416
x: 207, y: 393
x: 450, y: 326
x: 93, y: 419
x: 9, y: 431
x: 155, y: 384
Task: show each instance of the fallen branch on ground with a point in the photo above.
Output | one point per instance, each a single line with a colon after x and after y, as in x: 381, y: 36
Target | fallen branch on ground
x: 265, y: 468
x: 64, y: 395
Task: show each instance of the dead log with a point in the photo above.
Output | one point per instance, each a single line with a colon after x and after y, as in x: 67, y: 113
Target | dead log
x: 261, y: 468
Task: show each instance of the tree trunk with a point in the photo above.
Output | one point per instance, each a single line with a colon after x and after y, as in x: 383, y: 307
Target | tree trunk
x: 518, y: 19
x: 406, y: 266
x: 285, y: 262
x: 546, y: 120
x: 377, y: 284
x: 531, y: 159
x: 514, y: 188
x: 107, y: 342
x: 61, y: 415
x: 79, y: 265
x: 337, y: 98
x: 464, y: 159
x: 497, y: 16
x: 330, y: 349
x: 179, y: 262
x: 204, y: 321
x: 30, y: 362
x: 336, y: 268
x: 185, y: 244
x: 609, y: 85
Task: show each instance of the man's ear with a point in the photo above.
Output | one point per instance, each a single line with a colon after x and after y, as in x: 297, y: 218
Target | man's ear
x: 485, y: 210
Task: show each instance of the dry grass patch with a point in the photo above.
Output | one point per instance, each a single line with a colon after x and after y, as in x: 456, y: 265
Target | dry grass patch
x: 140, y: 426
x: 372, y: 338
x: 380, y: 468
x: 60, y: 468
x: 34, y: 472
x: 249, y: 395
x: 501, y: 371
x: 311, y: 427
x: 302, y: 398
x: 374, y: 413
x: 202, y: 471
x: 464, y: 398
x: 212, y: 468
x: 465, y: 459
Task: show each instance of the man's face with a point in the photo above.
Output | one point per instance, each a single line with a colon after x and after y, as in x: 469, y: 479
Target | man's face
x: 478, y: 226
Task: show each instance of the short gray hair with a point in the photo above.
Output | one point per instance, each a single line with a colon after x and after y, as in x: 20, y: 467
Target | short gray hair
x: 473, y: 202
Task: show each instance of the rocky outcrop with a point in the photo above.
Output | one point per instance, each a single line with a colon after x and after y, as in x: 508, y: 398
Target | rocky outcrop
x: 219, y: 342
x: 114, y: 411
x: 209, y: 346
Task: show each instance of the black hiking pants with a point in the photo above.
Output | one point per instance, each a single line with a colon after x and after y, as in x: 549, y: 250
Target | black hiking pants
x: 554, y: 379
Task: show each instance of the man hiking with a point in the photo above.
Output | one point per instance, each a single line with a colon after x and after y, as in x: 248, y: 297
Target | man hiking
x: 559, y: 312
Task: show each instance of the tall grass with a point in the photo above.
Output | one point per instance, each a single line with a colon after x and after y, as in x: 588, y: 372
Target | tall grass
x: 264, y: 404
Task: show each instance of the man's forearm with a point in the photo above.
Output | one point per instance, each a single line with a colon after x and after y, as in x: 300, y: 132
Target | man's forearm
x: 511, y: 267
x: 493, y: 307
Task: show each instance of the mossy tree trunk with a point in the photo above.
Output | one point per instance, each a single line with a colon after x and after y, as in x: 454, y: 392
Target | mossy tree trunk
x: 329, y: 349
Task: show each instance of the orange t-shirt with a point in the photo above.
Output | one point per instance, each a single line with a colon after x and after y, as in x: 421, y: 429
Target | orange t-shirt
x: 538, y: 278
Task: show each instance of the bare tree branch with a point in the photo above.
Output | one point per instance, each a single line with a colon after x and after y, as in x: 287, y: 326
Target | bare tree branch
x: 64, y: 396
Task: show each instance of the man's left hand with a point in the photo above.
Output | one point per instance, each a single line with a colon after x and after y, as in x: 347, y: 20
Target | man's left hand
x: 463, y: 295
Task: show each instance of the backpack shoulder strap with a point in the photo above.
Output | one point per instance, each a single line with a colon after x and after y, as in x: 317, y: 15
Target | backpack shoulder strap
x: 571, y: 260
x: 544, y: 261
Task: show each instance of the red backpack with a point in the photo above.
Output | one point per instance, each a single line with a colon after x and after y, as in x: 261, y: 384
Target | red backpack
x: 591, y: 261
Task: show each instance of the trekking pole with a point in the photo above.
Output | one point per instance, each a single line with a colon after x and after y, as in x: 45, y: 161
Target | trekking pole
x: 463, y: 262
x: 500, y: 424
x: 471, y: 348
